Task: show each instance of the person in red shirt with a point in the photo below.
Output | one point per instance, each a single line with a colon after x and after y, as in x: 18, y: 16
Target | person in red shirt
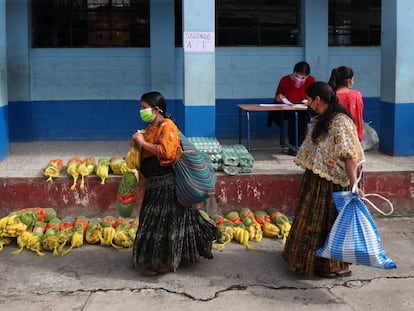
x: 341, y: 81
x: 292, y: 87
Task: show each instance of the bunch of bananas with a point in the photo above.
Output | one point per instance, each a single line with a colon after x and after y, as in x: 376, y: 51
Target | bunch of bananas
x: 108, y: 234
x: 86, y: 168
x: 108, y: 231
x: 73, y: 170
x: 4, y: 241
x: 121, y: 237
x: 255, y: 232
x: 79, y: 228
x: 11, y: 226
x: 133, y: 157
x: 242, y: 236
x: 65, y: 232
x: 281, y: 220
x: 118, y: 166
x: 102, y: 170
x: 94, y: 232
x: 22, y: 241
x: 52, y: 169
x: 271, y: 230
x: 34, y: 241
x: 133, y: 228
x: 227, y: 234
x: 50, y: 241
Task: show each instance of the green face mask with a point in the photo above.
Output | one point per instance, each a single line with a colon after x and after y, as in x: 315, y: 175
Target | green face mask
x: 147, y: 115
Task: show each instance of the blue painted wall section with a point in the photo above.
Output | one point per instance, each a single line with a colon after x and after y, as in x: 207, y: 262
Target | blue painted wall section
x: 4, y: 133
x: 397, y: 129
x: 200, y: 121
x: 117, y: 119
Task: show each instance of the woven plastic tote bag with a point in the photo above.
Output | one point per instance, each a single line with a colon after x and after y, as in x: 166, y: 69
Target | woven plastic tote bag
x: 195, y: 175
x: 354, y: 236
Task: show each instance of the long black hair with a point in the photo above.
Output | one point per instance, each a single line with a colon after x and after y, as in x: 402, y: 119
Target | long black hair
x: 156, y: 99
x: 340, y: 76
x: 326, y: 94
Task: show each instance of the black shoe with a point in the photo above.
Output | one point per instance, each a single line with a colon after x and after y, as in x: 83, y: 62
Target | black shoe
x: 292, y: 151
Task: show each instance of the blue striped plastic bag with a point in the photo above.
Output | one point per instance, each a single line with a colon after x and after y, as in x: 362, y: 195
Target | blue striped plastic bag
x: 354, y: 237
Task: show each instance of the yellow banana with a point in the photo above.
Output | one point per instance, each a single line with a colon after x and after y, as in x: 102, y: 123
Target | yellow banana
x: 242, y: 236
x: 102, y: 171
x: 22, y: 241
x: 33, y: 244
x: 51, y: 243
x: 76, y: 241
x: 4, y: 241
x: 271, y: 230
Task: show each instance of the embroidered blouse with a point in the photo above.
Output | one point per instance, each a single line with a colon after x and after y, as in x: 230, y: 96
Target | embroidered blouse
x: 352, y: 100
x: 326, y: 158
x: 167, y: 138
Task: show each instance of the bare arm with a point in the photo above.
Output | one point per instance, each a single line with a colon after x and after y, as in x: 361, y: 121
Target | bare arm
x: 351, y: 171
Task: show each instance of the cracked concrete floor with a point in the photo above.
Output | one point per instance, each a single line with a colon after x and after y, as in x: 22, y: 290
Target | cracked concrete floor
x: 101, y: 278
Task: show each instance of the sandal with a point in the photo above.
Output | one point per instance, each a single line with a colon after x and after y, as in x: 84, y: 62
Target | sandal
x: 332, y: 275
x: 149, y: 272
x: 163, y: 269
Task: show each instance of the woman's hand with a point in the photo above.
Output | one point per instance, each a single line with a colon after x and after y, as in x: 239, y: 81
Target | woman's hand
x: 137, y: 138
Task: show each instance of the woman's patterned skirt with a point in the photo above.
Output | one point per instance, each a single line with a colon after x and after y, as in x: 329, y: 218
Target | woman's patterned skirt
x: 170, y: 233
x: 314, y: 217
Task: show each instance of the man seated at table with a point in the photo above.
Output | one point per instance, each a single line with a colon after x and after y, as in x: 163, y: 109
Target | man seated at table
x: 292, y: 87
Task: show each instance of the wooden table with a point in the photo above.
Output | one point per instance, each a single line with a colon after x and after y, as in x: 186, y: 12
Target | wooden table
x: 266, y: 107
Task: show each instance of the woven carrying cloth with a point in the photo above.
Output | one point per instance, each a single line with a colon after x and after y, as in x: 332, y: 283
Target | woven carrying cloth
x: 195, y: 175
x: 354, y: 236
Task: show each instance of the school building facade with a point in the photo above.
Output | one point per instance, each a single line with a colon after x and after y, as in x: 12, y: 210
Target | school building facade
x: 90, y: 90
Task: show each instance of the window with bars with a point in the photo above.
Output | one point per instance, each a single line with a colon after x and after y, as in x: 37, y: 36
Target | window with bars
x: 90, y: 23
x: 257, y: 22
x: 354, y: 22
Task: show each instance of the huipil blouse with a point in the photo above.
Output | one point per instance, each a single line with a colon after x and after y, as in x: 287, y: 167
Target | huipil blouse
x: 165, y: 135
x: 352, y: 100
x: 327, y: 157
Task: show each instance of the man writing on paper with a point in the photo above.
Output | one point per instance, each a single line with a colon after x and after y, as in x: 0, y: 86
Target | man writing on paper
x: 291, y: 90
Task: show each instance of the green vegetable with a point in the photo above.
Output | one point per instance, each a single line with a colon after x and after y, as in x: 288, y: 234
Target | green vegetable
x: 128, y: 183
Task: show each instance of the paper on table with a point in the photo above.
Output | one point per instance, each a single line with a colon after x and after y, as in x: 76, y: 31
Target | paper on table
x: 271, y: 105
x: 287, y: 101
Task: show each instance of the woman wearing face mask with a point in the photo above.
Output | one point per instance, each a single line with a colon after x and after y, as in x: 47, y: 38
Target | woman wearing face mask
x: 329, y: 155
x: 169, y: 234
x: 342, y: 80
x: 292, y: 87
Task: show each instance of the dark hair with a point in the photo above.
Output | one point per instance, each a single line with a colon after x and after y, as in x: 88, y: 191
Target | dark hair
x: 156, y: 99
x: 302, y: 67
x: 339, y: 77
x: 326, y: 94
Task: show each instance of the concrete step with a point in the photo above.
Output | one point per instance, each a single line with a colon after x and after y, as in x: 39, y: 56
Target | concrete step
x: 274, y: 181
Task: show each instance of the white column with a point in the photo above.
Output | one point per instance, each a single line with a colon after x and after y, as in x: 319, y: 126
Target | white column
x: 199, y: 67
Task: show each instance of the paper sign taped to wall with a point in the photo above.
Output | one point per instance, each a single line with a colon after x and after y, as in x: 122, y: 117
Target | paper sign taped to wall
x: 198, y: 41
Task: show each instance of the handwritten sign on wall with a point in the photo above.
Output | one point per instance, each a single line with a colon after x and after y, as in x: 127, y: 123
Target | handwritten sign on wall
x: 198, y: 41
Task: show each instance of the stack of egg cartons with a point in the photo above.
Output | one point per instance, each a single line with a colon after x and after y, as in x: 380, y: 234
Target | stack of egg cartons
x: 211, y: 147
x: 236, y: 159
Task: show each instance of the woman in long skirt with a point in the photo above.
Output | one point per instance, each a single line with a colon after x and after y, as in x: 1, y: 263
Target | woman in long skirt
x: 330, y: 155
x: 169, y: 234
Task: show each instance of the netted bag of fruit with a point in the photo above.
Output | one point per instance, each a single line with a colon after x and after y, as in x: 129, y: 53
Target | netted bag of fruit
x: 52, y: 169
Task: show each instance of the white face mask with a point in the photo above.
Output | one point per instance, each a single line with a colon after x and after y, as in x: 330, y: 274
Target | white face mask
x: 298, y: 81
